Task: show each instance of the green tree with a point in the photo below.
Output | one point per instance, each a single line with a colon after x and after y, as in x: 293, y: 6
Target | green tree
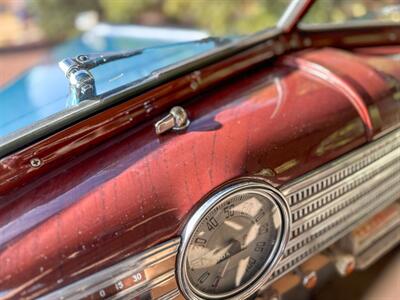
x: 218, y: 17
x: 122, y: 11
x: 222, y: 17
x: 57, y: 17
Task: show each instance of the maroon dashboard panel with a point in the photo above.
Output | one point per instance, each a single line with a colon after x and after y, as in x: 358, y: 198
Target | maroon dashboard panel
x: 137, y: 189
x: 376, y: 79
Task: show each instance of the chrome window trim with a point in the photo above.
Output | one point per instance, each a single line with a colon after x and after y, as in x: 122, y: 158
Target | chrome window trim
x: 293, y: 14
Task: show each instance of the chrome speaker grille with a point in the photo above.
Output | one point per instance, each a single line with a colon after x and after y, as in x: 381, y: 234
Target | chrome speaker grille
x: 328, y: 203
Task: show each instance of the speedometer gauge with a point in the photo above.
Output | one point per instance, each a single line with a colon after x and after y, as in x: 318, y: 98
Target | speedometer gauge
x: 232, y: 242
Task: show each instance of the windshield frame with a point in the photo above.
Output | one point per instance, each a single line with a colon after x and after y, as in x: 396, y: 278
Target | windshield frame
x: 87, y: 108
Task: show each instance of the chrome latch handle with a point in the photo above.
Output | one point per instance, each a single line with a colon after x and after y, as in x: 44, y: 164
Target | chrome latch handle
x: 176, y: 120
x: 81, y: 81
x: 77, y: 70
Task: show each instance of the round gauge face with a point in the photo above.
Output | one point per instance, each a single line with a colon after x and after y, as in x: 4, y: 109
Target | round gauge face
x: 233, y: 244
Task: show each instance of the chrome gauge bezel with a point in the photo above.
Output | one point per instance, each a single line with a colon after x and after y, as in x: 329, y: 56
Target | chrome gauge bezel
x: 250, y: 185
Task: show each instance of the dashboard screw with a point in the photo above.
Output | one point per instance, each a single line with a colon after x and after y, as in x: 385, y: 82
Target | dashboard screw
x: 36, y: 162
x: 83, y: 58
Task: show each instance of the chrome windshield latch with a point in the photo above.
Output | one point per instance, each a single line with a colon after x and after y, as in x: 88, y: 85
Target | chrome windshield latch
x: 77, y: 70
x: 81, y: 82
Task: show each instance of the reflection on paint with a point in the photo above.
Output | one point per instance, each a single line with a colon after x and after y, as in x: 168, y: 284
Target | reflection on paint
x: 286, y: 166
x: 341, y: 137
x: 375, y: 116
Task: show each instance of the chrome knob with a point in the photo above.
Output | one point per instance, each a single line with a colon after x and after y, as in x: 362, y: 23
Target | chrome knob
x: 345, y: 264
x: 177, y: 120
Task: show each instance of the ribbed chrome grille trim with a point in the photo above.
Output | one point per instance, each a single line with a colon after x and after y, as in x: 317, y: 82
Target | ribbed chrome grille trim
x: 156, y: 266
x: 302, y: 189
x: 329, y: 202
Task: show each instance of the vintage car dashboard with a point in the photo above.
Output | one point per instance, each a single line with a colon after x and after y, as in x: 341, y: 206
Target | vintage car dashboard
x: 286, y: 164
x: 307, y: 216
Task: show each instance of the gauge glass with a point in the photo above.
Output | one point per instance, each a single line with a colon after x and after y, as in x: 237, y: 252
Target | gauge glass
x: 232, y: 244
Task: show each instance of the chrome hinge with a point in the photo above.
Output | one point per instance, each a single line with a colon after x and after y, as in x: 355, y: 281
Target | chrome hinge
x: 77, y: 70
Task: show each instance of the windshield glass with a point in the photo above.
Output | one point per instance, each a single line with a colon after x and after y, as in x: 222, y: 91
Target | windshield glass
x: 36, y: 34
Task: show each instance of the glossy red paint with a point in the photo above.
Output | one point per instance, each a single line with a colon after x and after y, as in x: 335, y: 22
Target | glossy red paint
x: 379, y: 51
x: 16, y: 171
x: 354, y: 95
x: 388, y: 107
x: 372, y: 83
x: 347, y: 37
x: 136, y: 188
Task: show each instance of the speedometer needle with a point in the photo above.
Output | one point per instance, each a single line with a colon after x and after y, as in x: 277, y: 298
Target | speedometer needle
x: 221, y: 274
x: 234, y: 248
x: 225, y: 268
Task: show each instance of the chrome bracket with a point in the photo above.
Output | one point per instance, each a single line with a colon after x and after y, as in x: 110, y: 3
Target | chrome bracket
x: 77, y: 70
x: 81, y: 82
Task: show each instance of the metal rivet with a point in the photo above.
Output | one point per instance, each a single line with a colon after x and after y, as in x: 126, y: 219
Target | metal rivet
x: 278, y: 48
x: 392, y: 36
x: 194, y: 85
x: 307, y: 42
x: 294, y: 42
x: 36, y: 162
x: 82, y: 57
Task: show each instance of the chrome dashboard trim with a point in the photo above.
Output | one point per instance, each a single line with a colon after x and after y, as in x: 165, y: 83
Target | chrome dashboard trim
x: 141, y: 263
x: 329, y: 202
x: 324, y: 205
x: 378, y: 249
x: 171, y: 295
